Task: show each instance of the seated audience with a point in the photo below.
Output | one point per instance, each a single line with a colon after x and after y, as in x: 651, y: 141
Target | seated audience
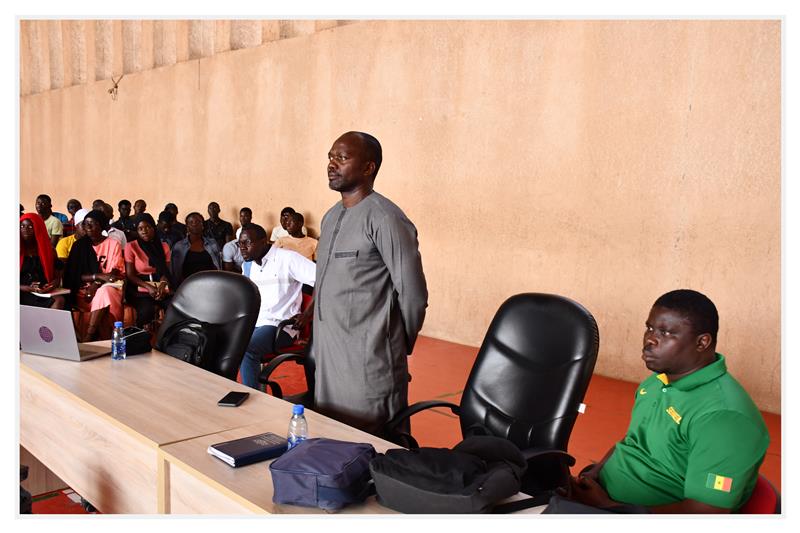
x: 125, y: 222
x: 147, y: 269
x: 72, y: 207
x: 216, y: 228
x: 296, y: 241
x: 279, y: 275
x: 245, y: 218
x: 139, y: 207
x: 196, y: 252
x: 54, y: 227
x: 280, y: 231
x: 116, y: 234
x: 165, y: 229
x: 696, y: 439
x: 38, y: 272
x: 94, y: 273
x: 179, y: 227
x: 64, y: 246
x: 232, y: 257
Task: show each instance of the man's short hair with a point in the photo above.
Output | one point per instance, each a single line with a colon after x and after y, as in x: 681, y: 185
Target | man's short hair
x: 373, y: 149
x: 696, y: 307
x: 45, y: 197
x: 170, y: 206
x: 166, y: 216
x: 287, y: 210
x: 123, y: 202
x: 255, y: 230
x: 246, y: 210
x: 299, y: 218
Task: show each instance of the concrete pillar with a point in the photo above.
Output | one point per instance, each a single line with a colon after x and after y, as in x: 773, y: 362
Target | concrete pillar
x: 222, y: 36
x: 103, y: 49
x: 77, y: 46
x: 245, y: 34
x: 295, y: 28
x: 131, y: 46
x: 270, y: 30
x: 164, y: 50
x: 34, y: 51
x: 56, y: 53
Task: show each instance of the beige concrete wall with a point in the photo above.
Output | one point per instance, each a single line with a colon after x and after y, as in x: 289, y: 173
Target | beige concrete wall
x: 605, y: 161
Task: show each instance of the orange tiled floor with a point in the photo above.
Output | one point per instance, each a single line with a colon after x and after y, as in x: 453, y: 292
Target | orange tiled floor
x: 439, y: 370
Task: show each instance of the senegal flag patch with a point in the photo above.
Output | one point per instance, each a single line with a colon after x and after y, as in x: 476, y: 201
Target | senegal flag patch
x: 722, y: 483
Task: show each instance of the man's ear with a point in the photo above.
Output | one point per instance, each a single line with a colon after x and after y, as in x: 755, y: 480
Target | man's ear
x: 369, y: 168
x: 703, y: 342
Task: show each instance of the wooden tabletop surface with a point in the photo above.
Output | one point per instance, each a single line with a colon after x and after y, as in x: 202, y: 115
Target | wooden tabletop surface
x: 163, y: 399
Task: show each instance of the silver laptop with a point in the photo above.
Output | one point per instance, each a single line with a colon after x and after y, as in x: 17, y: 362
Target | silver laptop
x: 45, y: 331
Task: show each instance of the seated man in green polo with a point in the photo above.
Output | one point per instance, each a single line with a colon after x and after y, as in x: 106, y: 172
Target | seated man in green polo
x: 696, y: 439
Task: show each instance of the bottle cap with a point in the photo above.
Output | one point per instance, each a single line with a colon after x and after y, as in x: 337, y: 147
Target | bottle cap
x: 297, y: 409
x: 117, y: 324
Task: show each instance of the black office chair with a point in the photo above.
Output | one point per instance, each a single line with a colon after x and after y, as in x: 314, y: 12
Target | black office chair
x: 297, y: 351
x: 226, y: 301
x: 300, y: 354
x: 527, y: 384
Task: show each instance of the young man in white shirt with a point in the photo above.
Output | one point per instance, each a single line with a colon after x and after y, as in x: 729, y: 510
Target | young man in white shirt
x: 279, y: 275
x: 245, y: 218
x: 281, y: 231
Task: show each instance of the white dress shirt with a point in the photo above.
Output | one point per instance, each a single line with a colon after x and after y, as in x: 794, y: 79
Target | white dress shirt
x: 280, y: 278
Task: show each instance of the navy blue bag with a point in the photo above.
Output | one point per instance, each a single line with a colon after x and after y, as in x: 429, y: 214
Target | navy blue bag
x: 323, y: 473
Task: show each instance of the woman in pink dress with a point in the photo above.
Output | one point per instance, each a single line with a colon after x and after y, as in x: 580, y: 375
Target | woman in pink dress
x: 147, y: 268
x: 94, y: 272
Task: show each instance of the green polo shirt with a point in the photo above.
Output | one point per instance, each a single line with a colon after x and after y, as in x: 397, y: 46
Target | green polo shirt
x: 699, y: 438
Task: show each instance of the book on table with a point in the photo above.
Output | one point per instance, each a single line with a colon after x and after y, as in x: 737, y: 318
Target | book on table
x: 249, y: 450
x: 54, y: 292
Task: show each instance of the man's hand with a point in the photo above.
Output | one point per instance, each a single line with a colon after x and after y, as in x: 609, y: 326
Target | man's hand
x: 301, y: 319
x: 592, y: 473
x: 587, y: 490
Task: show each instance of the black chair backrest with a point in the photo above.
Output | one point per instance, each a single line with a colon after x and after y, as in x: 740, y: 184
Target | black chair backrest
x: 532, y: 371
x: 227, y: 300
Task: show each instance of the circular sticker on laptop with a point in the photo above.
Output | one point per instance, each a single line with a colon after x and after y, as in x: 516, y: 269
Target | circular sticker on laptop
x: 46, y: 334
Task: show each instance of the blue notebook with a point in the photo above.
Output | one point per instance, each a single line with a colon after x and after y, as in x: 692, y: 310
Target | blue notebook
x: 249, y: 450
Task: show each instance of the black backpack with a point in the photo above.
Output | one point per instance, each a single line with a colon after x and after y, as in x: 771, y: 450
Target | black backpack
x: 190, y: 341
x: 473, y: 477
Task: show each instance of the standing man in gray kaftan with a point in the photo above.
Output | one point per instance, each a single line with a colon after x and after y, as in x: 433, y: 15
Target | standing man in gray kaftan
x: 370, y: 296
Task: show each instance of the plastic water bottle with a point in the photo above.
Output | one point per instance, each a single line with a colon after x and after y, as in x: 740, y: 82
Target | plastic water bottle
x: 118, y: 343
x: 298, y: 427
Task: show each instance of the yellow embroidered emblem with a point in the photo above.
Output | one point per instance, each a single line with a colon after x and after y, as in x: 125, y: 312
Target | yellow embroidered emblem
x: 642, y: 391
x: 674, y: 414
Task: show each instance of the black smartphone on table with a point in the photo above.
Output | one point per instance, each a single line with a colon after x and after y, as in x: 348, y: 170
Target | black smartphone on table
x: 233, y: 399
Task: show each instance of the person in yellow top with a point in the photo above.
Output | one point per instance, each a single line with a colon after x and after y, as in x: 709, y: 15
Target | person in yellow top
x: 44, y: 206
x: 65, y: 245
x: 296, y: 241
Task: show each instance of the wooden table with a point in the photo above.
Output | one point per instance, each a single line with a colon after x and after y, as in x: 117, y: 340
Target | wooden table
x: 201, y: 484
x: 125, y: 434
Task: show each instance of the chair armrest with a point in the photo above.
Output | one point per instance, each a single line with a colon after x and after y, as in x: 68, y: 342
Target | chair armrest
x: 282, y: 324
x: 416, y: 408
x: 263, y: 377
x: 533, y: 454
